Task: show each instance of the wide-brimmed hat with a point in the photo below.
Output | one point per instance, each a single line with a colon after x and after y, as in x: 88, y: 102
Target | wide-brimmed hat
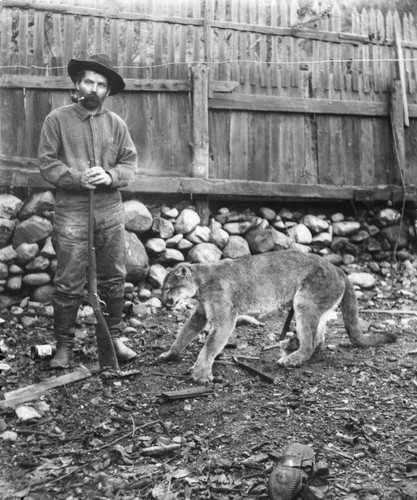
x: 99, y: 63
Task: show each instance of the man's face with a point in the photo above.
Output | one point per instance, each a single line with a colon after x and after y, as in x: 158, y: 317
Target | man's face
x: 94, y: 88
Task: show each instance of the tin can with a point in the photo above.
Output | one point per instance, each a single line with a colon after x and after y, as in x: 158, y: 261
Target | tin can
x: 42, y: 351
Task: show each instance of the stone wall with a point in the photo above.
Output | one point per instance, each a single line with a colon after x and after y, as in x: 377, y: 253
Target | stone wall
x: 159, y: 237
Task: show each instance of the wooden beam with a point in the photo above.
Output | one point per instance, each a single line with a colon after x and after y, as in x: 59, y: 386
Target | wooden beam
x: 296, y: 32
x: 246, y: 102
x: 132, y: 84
x: 91, y: 11
x: 17, y: 175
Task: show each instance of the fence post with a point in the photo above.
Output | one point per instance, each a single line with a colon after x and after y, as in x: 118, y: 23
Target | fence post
x: 200, y: 125
x: 397, y: 127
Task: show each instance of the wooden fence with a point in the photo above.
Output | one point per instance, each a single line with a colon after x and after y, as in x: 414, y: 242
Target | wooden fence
x: 226, y: 97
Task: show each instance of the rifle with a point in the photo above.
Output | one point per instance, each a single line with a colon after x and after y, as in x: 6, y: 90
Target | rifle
x: 105, y: 349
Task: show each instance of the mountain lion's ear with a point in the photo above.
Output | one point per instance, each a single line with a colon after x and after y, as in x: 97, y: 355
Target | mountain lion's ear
x: 182, y: 271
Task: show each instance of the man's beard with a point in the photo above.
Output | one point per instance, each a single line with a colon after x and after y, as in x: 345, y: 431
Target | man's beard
x: 92, y: 101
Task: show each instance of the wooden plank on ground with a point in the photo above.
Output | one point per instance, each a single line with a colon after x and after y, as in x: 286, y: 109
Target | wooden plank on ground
x: 192, y: 392
x: 35, y: 391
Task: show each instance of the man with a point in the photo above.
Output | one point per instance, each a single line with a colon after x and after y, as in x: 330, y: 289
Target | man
x: 86, y: 147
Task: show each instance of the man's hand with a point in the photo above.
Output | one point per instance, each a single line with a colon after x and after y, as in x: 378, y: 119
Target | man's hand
x: 95, y: 176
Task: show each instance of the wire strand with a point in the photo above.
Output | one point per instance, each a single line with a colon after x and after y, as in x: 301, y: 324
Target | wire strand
x: 228, y: 61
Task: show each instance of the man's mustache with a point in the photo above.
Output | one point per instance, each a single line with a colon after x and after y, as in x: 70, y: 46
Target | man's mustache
x: 92, y: 98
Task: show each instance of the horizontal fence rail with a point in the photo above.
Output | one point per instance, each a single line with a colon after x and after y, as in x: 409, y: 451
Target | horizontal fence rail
x: 226, y: 97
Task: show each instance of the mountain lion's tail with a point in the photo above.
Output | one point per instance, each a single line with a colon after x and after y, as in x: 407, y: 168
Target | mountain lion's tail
x: 349, y: 306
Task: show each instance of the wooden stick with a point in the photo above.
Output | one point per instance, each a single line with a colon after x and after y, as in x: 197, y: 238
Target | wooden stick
x: 34, y: 391
x: 254, y: 370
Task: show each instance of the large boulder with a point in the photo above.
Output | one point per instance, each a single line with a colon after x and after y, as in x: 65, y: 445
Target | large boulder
x: 315, y: 224
x: 172, y: 256
x: 138, y: 219
x: 163, y: 228
x: 187, y: 220
x: 300, y: 234
x: 157, y: 274
x: 200, y: 234
x: 260, y: 240
x: 218, y: 236
x: 236, y: 247
x: 7, y: 254
x: 38, y: 204
x: 42, y: 294
x: 32, y: 230
x: 345, y: 228
x: 6, y: 230
x: 239, y: 228
x: 394, y: 236
x: 26, y: 252
x: 36, y: 279
x: 9, y: 206
x: 362, y: 279
x: 137, y: 260
x: 204, y: 253
x: 267, y: 213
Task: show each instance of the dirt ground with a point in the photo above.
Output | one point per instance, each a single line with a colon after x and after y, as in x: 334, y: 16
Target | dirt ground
x: 108, y: 437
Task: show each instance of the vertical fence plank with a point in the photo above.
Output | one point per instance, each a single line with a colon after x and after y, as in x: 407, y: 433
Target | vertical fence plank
x: 196, y: 31
x: 128, y: 58
x: 355, y: 52
x: 382, y: 54
x: 336, y: 49
x: 68, y: 37
x: 222, y: 55
x: 23, y: 42
x: 234, y: 17
x: 243, y: 45
x: 114, y: 41
x: 336, y: 156
x: 295, y: 67
x: 159, y: 71
x: 274, y: 42
x: 374, y: 64
x: 98, y: 35
x: 263, y: 55
x: 38, y: 43
x: 365, y: 53
x: 390, y: 51
x: 285, y: 68
x: 407, y: 55
x: 172, y: 69
x: 84, y: 37
x: 253, y: 46
x: 413, y: 53
x: 366, y: 170
x: 58, y: 49
x: 317, y: 69
x: 183, y: 42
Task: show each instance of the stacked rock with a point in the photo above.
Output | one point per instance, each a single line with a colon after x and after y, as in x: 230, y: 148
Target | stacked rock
x: 159, y: 237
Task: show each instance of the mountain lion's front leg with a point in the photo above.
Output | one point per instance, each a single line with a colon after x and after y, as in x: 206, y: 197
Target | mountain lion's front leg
x: 192, y: 327
x: 215, y: 343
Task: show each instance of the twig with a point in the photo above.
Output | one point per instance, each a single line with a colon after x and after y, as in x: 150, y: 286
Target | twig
x: 389, y: 311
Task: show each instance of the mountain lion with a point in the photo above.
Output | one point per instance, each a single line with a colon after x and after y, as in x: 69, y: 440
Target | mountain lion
x: 261, y: 284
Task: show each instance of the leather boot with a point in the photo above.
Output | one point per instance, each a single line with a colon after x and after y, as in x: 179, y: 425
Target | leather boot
x: 113, y: 317
x: 64, y: 321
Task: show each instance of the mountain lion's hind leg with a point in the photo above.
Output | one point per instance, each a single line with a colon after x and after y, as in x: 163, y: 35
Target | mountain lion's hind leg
x: 307, y: 319
x: 192, y: 327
